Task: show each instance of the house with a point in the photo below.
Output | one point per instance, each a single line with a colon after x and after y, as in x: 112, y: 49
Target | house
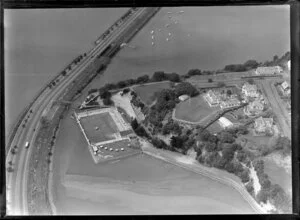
x: 263, y: 125
x: 250, y: 90
x: 212, y: 99
x: 233, y: 102
x: 224, y: 122
x: 286, y: 88
x: 254, y: 108
x: 183, y: 97
x: 268, y: 70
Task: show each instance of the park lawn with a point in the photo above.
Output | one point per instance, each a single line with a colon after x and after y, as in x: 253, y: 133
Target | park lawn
x: 194, y: 109
x: 147, y: 92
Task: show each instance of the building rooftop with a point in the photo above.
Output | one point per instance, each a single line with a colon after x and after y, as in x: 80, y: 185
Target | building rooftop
x: 225, y: 122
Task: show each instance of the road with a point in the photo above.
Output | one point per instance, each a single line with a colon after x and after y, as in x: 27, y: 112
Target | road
x: 278, y: 107
x: 16, y: 180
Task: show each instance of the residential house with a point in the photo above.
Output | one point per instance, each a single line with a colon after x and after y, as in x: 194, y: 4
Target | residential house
x: 286, y: 88
x: 212, y: 99
x: 268, y: 70
x: 232, y: 102
x: 263, y: 125
x: 254, y: 108
x: 250, y: 90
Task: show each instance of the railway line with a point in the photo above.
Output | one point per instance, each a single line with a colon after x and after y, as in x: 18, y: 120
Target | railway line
x: 16, y: 181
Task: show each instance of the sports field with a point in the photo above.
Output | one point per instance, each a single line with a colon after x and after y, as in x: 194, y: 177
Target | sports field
x: 194, y: 110
x: 100, y: 127
x: 147, y: 92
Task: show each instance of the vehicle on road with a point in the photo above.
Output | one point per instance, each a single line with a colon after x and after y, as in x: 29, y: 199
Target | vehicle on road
x: 26, y: 144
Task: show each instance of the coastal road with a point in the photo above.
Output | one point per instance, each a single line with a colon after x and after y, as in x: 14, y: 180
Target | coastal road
x: 16, y: 181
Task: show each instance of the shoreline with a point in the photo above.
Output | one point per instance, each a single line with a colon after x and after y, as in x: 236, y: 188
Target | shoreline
x: 149, y: 150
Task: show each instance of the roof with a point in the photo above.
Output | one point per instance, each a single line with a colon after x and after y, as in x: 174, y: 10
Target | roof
x: 268, y: 69
x: 183, y: 97
x: 285, y: 85
x: 225, y: 122
x: 247, y: 86
x: 256, y: 104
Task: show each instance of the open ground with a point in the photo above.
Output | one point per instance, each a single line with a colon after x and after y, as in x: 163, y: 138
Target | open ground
x: 194, y: 109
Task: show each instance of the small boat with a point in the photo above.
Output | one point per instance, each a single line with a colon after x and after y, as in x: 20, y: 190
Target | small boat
x: 169, y: 12
x: 167, y: 39
x: 169, y: 34
x: 176, y: 22
x: 167, y: 25
x: 181, y: 12
x: 152, y: 43
x: 152, y: 31
x: 152, y: 37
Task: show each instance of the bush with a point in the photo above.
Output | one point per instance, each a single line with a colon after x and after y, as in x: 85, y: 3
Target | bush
x: 186, y: 88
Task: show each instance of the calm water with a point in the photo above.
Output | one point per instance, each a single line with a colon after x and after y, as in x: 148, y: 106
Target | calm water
x: 39, y: 43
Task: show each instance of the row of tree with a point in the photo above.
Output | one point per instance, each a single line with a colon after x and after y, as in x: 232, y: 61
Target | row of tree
x: 272, y: 192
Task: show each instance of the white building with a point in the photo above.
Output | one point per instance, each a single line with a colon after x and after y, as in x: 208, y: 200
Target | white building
x: 233, y: 102
x: 268, y: 70
x: 250, y: 90
x: 263, y: 125
x: 286, y: 88
x: 212, y: 99
x: 289, y: 65
x: 183, y: 97
x: 224, y: 122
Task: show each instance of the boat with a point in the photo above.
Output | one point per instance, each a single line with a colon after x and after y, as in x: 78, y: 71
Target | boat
x: 152, y: 43
x: 167, y: 39
x: 181, y: 12
x: 169, y: 12
x: 152, y: 31
x: 169, y: 34
x: 167, y: 25
x: 176, y: 22
x: 152, y: 37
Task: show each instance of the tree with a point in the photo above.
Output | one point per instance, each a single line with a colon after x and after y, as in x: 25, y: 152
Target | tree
x: 221, y: 84
x: 241, y: 156
x: 210, y: 80
x: 186, y: 88
x: 134, y: 124
x: 225, y: 137
x: 229, y: 93
x: 158, y: 76
x: 262, y: 196
x: 10, y: 163
x: 173, y: 77
x: 13, y: 152
x: 210, y: 147
x: 10, y: 169
x: 176, y: 142
x: 194, y: 72
x: 245, y: 176
x: 125, y: 91
x: 143, y: 79
x: 250, y: 81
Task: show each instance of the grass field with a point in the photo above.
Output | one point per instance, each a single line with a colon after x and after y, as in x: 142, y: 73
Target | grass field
x: 147, y: 92
x: 194, y: 110
x: 106, y: 127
